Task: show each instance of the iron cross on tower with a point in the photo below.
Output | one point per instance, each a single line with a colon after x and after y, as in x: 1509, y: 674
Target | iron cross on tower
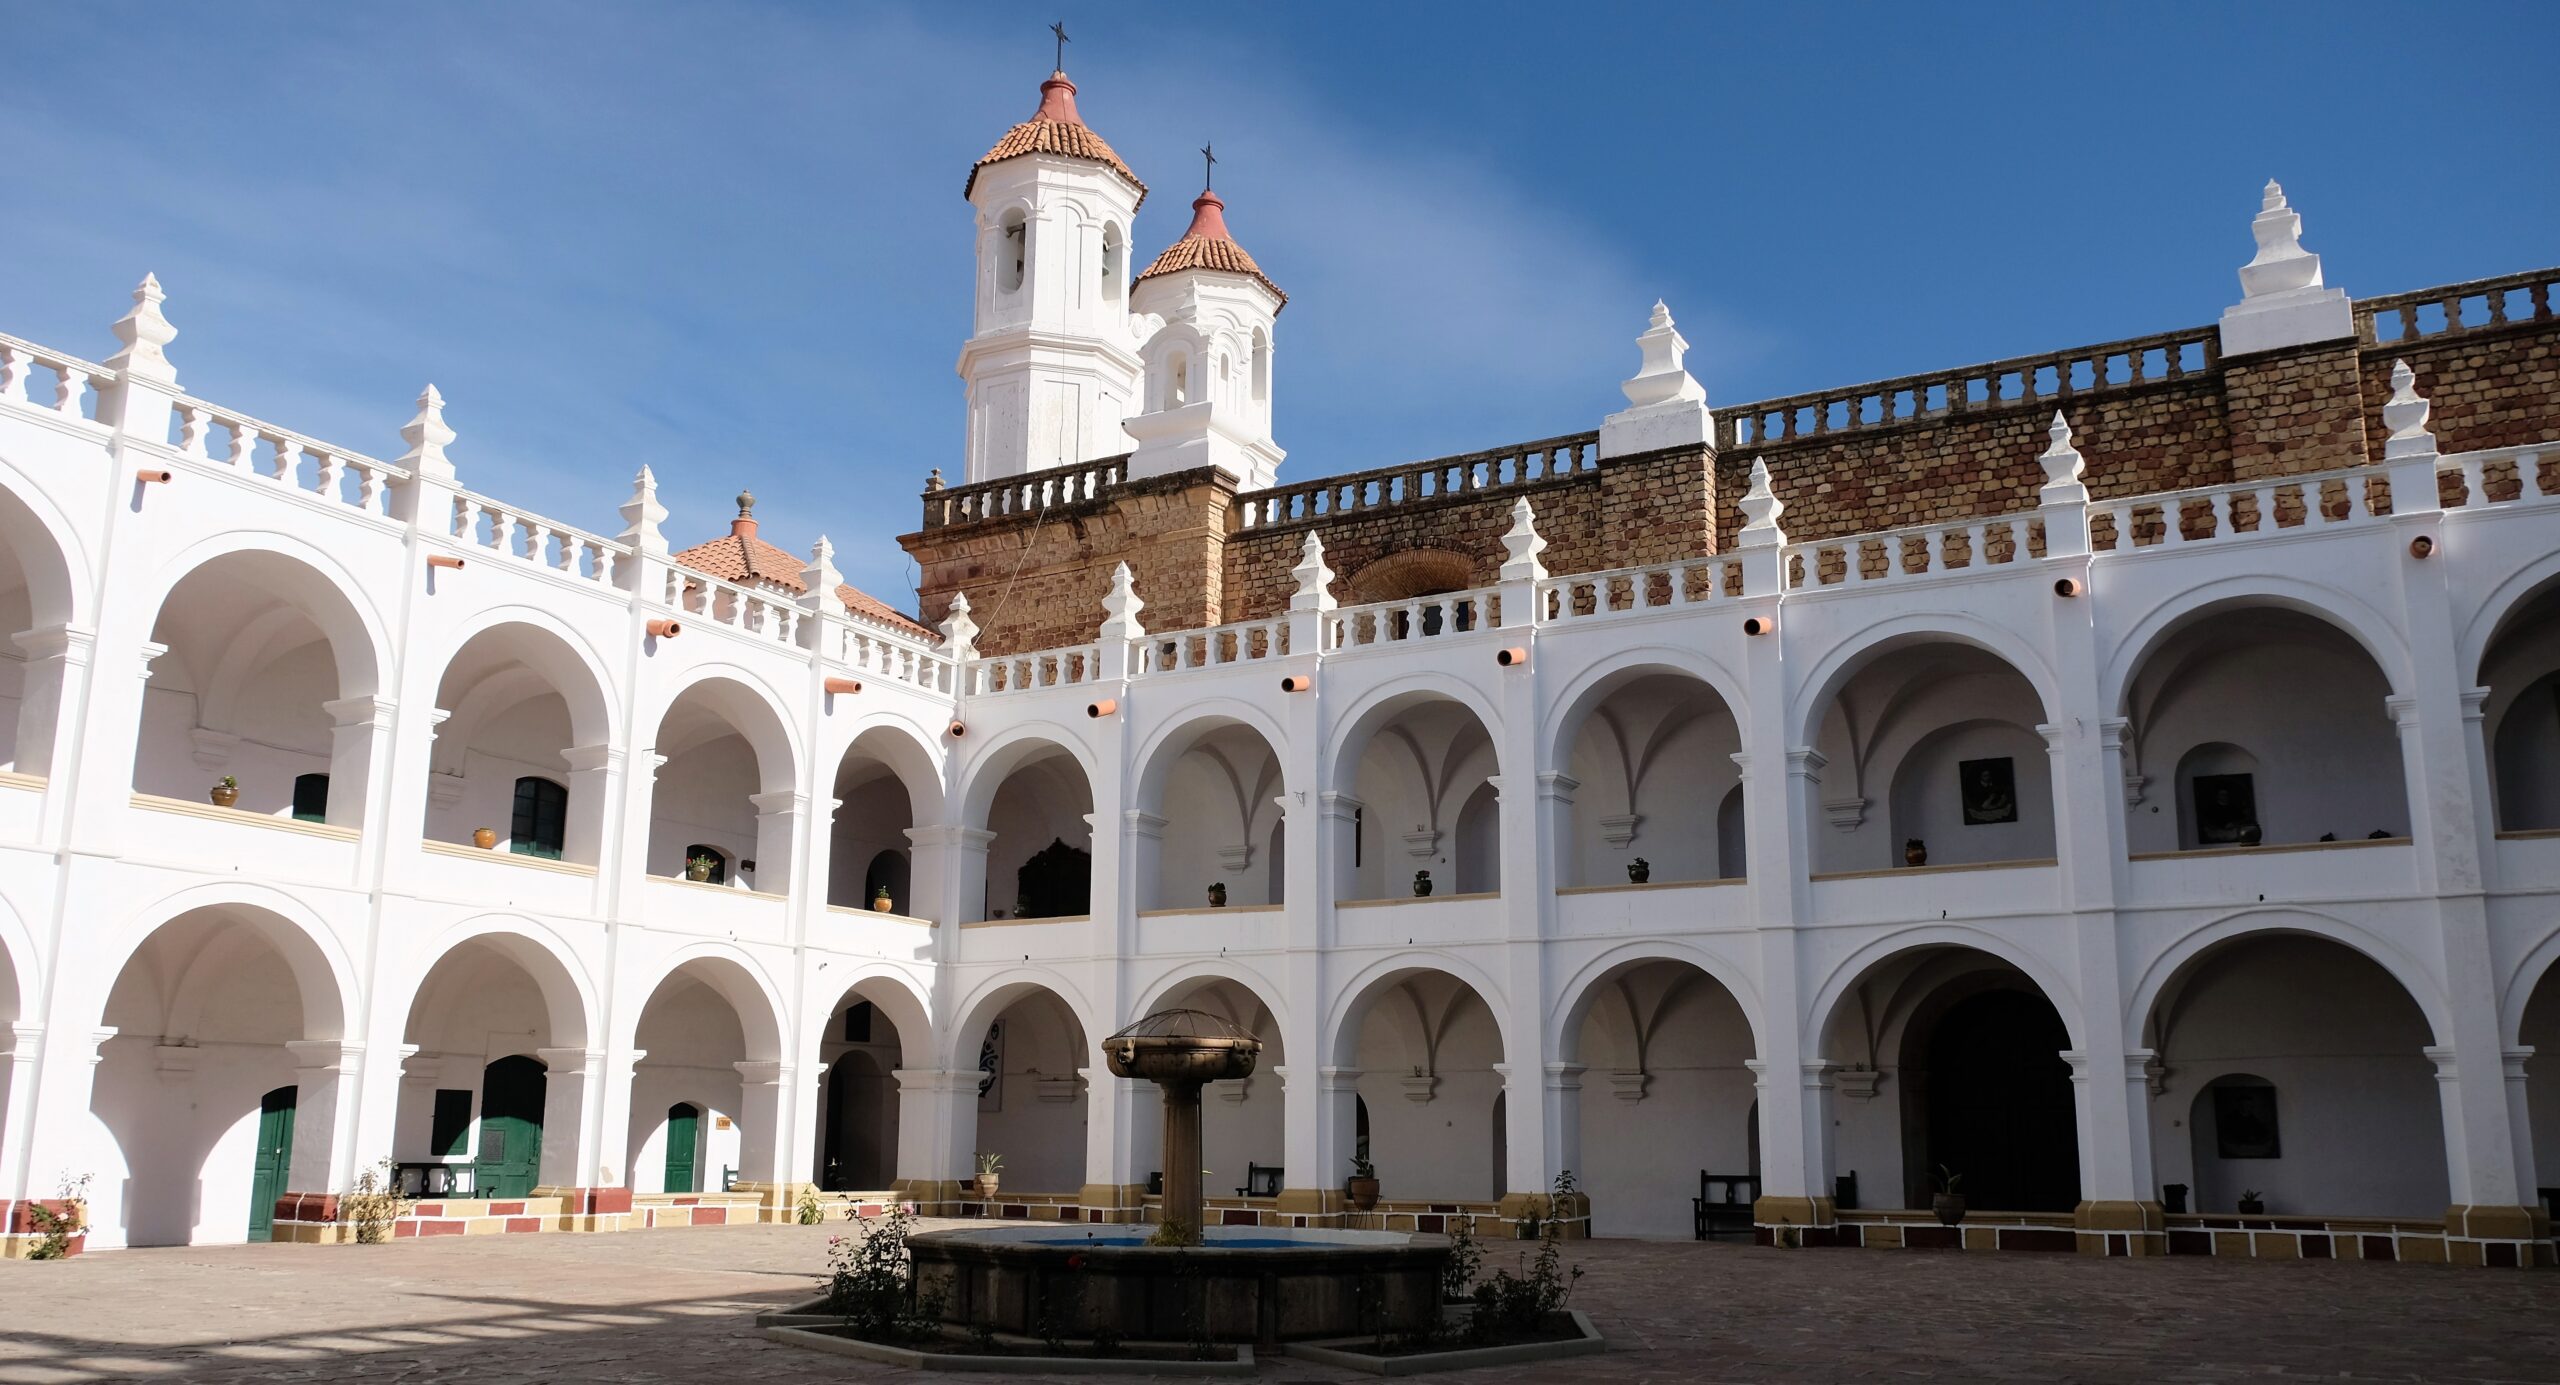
x: 1060, y: 29
x: 1209, y: 168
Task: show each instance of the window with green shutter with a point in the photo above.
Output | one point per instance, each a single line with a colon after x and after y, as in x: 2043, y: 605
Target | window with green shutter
x: 542, y: 815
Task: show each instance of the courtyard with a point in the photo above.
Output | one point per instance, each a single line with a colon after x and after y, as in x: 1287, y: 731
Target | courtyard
x: 677, y: 1305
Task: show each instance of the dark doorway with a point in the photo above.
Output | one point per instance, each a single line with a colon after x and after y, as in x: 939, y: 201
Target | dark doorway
x: 1999, y: 1105
x: 1057, y: 882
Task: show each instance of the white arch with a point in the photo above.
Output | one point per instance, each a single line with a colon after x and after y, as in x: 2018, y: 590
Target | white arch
x: 48, y: 549
x: 1174, y: 738
x: 1228, y: 969
x: 2413, y: 977
x: 18, y: 953
x: 911, y: 754
x: 1574, y: 703
x: 756, y: 711
x: 323, y: 973
x: 984, y: 772
x: 908, y: 1006
x: 1344, y: 1018
x: 2489, y: 621
x: 1350, y: 731
x: 569, y: 997
x: 736, y: 977
x: 594, y: 710
x: 994, y: 994
x: 1832, y: 672
x: 2057, y: 989
x: 341, y: 608
x: 1574, y: 997
x: 2351, y: 616
x: 2527, y: 978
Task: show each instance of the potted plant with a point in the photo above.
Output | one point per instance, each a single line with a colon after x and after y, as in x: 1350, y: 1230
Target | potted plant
x: 699, y: 865
x: 484, y: 837
x: 881, y: 903
x: 1422, y: 884
x: 987, y: 1166
x: 1217, y: 894
x: 1948, y: 1204
x: 1639, y: 871
x: 1361, y: 1189
x: 226, y: 791
x: 1915, y: 852
x: 2250, y: 1204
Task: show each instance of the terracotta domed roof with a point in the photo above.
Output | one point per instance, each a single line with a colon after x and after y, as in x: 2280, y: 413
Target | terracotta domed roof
x: 740, y: 556
x: 1056, y: 129
x: 1208, y: 246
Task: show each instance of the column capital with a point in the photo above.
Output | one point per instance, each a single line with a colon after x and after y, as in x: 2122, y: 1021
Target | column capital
x: 2474, y: 703
x: 1565, y: 1076
x: 951, y: 834
x: 368, y: 711
x: 1338, y: 1079
x: 584, y: 1062
x: 936, y: 1079
x: 1817, y: 1073
x: 763, y: 1072
x: 97, y: 1041
x: 1335, y: 804
x: 149, y: 651
x: 2442, y: 1056
x: 325, y: 1055
x: 779, y: 801
x: 1556, y: 786
x: 2403, y: 711
x: 24, y: 1040
x: 1805, y: 762
x: 582, y: 758
x: 68, y: 643
x: 1145, y: 824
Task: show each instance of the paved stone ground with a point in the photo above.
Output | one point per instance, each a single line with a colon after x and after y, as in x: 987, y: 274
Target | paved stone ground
x: 674, y: 1306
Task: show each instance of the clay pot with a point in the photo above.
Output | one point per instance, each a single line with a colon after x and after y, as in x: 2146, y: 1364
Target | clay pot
x: 882, y: 904
x: 1218, y: 894
x: 2252, y: 1207
x: 1949, y: 1207
x: 1361, y: 1193
x: 1422, y: 884
x: 225, y: 797
x: 1915, y: 853
x: 987, y: 1186
x: 484, y: 837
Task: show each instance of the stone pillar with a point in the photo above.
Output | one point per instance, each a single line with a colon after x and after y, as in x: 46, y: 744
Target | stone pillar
x: 327, y: 1074
x: 1114, y: 1158
x: 949, y: 879
x: 55, y: 681
x: 2111, y: 1091
x: 1799, y: 1095
x: 778, y: 818
x: 26, y: 1047
x: 2487, y: 1158
x: 573, y: 1112
x: 360, y: 750
x: 1145, y: 835
x: 617, y: 1071
x: 1182, y: 1195
x: 595, y: 789
x: 57, y: 1132
x: 937, y: 1134
x: 764, y: 1087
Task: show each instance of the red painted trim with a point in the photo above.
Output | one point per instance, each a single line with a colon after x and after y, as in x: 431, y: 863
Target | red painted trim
x: 440, y: 1228
x: 516, y: 1224
x: 506, y: 1209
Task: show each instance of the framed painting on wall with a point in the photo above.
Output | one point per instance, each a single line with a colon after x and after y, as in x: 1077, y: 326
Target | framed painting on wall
x: 2244, y: 1122
x: 1990, y: 790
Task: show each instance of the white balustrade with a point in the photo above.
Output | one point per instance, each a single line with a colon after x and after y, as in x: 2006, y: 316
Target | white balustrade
x: 1417, y: 618
x: 1909, y: 554
x: 2215, y: 514
x: 1622, y: 591
x: 286, y: 458
x: 518, y: 536
x: 1216, y: 646
x: 74, y: 380
x: 2501, y: 475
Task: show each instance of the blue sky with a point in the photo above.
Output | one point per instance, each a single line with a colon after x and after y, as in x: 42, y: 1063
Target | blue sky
x: 728, y: 241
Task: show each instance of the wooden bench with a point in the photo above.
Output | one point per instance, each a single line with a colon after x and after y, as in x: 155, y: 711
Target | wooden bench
x: 1260, y: 1180
x: 1722, y: 1207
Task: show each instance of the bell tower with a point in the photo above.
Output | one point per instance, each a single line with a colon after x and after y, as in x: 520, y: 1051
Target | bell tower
x: 1051, y: 362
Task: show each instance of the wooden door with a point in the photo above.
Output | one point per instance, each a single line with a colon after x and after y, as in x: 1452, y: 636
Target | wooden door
x: 273, y: 1168
x: 509, y: 1160
x: 684, y: 1138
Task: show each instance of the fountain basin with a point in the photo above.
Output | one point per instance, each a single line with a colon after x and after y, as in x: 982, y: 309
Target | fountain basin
x: 1263, y: 1285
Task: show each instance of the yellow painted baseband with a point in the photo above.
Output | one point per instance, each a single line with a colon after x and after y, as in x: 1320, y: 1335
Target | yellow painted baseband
x: 1118, y: 1202
x: 1772, y: 1216
x: 2132, y: 1229
x: 1571, y: 1212
x: 1311, y: 1202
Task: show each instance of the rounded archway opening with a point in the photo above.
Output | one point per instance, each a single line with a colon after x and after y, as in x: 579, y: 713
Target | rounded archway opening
x: 2296, y: 1067
x: 525, y: 719
x: 1950, y: 1063
x: 36, y: 606
x: 869, y: 848
x: 1031, y: 1054
x: 265, y: 661
x: 1242, y: 1120
x: 1421, y: 817
x: 2521, y: 718
x: 482, y: 1111
x: 703, y: 1096
x: 869, y: 1032
x: 1426, y: 1048
x: 199, y: 1084
x: 1652, y: 760
x: 1212, y: 821
x: 1667, y: 1093
x: 1039, y: 854
x: 2256, y: 725
x: 722, y: 807
x: 1931, y: 757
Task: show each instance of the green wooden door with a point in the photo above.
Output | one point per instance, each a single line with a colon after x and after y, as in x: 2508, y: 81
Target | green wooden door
x: 684, y: 1136
x: 273, y: 1167
x: 509, y: 1160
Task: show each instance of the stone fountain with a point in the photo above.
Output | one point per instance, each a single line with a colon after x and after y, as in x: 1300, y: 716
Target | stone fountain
x: 1181, y: 1051
x: 1281, y: 1280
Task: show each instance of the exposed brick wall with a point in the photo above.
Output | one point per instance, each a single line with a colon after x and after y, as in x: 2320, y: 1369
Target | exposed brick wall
x: 2288, y: 412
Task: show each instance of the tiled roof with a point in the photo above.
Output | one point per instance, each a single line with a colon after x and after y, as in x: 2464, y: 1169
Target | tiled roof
x: 740, y: 556
x: 1208, y: 246
x: 1056, y: 129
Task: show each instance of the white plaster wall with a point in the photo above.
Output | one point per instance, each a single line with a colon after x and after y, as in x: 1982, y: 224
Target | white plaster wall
x: 873, y: 816
x: 1928, y: 796
x: 2358, y: 1117
x: 694, y: 1043
x: 1042, y: 802
x: 1217, y: 796
x: 474, y: 1007
x: 1444, y: 1148
x: 1661, y: 748
x: 525, y: 740
x: 1893, y: 737
x: 703, y: 796
x: 1414, y: 779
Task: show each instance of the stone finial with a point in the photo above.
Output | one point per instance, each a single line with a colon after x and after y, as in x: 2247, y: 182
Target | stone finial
x: 2281, y: 264
x: 2063, y: 466
x: 1665, y: 407
x: 1315, y: 580
x: 959, y: 632
x: 820, y: 578
x: 2406, y: 414
x: 2283, y: 301
x: 145, y: 333
x: 1760, y: 510
x: 642, y: 514
x: 1120, y: 607
x: 933, y: 482
x: 427, y: 435
x: 746, y: 504
x: 1521, y: 545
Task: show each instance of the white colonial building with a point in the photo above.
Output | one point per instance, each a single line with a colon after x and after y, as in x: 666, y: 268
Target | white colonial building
x: 2205, y: 837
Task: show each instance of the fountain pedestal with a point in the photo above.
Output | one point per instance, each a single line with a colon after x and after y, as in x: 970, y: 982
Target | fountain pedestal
x: 1182, y: 1051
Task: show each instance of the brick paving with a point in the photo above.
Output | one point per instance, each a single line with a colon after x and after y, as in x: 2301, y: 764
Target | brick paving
x: 675, y: 1306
